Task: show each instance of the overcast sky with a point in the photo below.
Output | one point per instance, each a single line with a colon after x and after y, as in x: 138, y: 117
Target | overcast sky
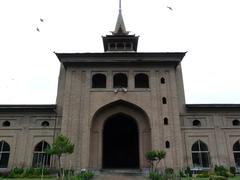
x: 208, y: 29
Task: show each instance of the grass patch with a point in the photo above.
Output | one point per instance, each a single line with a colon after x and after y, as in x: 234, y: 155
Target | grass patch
x: 28, y: 178
x: 232, y: 178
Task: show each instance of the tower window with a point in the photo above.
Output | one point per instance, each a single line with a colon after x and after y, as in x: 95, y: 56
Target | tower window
x: 98, y: 81
x: 196, y: 123
x: 164, y: 100
x: 167, y: 144
x: 120, y: 80
x: 162, y: 80
x: 120, y: 46
x: 6, y: 124
x: 112, y: 46
x: 45, y: 124
x: 129, y: 46
x: 236, y: 122
x: 141, y: 81
x: 165, y: 121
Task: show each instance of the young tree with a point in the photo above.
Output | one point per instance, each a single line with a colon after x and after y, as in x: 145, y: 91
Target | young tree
x: 154, y: 157
x: 61, y: 145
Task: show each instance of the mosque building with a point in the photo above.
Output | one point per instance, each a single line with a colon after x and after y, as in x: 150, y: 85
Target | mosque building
x: 117, y: 105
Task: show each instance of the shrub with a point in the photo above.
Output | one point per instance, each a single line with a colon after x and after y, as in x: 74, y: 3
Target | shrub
x: 182, y: 174
x: 214, y: 177
x: 188, y: 172
x: 229, y: 174
x: 29, y: 171
x: 233, y: 170
x: 169, y: 171
x: 16, y: 172
x: 84, y: 175
x: 220, y: 170
x: 155, y: 175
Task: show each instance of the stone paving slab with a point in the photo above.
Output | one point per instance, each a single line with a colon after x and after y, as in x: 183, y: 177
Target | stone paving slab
x: 119, y: 177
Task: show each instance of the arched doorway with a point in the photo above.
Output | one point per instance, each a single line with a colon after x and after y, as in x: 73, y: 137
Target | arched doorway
x: 120, y: 142
x: 118, y: 116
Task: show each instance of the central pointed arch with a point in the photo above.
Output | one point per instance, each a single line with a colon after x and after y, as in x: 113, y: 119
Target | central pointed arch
x: 114, y: 115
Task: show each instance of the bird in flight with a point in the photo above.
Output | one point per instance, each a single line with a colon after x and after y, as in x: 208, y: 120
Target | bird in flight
x: 41, y: 19
x: 38, y: 29
x: 170, y: 8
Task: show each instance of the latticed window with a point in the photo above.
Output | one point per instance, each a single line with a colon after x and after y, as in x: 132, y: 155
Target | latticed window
x: 120, y: 80
x: 200, y: 154
x: 4, y: 154
x: 236, y: 122
x: 141, y: 81
x: 236, y: 153
x: 99, y: 81
x: 40, y: 158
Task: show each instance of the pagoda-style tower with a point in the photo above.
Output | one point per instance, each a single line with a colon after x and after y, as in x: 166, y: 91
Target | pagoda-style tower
x: 120, y: 40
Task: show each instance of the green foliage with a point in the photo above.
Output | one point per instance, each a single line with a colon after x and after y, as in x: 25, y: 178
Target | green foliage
x: 155, y: 176
x: 85, y: 175
x: 214, y: 177
x: 220, y: 170
x: 188, y: 172
x: 233, y: 170
x: 28, y: 172
x: 169, y: 171
x: 203, y: 175
x: 154, y: 157
x: 61, y: 145
x: 182, y: 174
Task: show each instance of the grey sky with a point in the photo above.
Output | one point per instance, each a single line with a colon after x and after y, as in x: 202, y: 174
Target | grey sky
x: 208, y: 30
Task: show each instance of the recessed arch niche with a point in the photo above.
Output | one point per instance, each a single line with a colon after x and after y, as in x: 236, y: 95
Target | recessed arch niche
x: 134, y: 114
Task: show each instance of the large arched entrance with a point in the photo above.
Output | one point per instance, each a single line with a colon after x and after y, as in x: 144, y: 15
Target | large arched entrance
x: 120, y: 135
x: 120, y: 142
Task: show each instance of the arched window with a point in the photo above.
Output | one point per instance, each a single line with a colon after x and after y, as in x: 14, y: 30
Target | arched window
x: 165, y: 121
x: 112, y: 46
x: 164, y: 100
x: 98, y: 81
x: 196, y: 123
x: 200, y: 154
x: 236, y: 153
x: 236, y: 122
x: 120, y: 80
x: 6, y: 124
x: 4, y: 154
x: 45, y: 124
x: 167, y: 144
x: 40, y: 158
x: 162, y: 80
x: 141, y: 81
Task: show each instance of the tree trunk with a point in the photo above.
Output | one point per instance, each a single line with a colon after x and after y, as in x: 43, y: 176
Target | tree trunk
x: 59, y: 166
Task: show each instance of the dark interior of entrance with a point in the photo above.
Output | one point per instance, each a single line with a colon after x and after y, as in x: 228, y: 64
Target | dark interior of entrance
x: 120, y: 142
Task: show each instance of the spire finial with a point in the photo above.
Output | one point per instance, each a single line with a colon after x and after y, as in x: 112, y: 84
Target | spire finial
x: 120, y: 5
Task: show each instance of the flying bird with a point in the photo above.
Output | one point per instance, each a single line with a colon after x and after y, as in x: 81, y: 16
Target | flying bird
x: 38, y: 29
x: 41, y: 19
x: 170, y: 8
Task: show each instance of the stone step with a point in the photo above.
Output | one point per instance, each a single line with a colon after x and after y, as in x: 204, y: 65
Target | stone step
x: 120, y: 174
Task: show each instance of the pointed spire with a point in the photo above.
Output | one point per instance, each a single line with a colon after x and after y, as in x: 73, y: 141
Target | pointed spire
x: 120, y: 27
x: 120, y: 40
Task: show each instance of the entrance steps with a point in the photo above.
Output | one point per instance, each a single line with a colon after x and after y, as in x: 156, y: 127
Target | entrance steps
x: 120, y: 174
